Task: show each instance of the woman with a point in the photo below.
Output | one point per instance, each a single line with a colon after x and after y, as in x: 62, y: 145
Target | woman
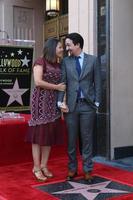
x: 45, y: 116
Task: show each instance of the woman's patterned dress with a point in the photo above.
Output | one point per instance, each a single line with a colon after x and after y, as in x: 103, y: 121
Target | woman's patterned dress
x: 45, y: 127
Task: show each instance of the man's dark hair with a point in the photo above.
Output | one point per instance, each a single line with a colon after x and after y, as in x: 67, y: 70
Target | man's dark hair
x: 76, y: 38
x: 49, y: 50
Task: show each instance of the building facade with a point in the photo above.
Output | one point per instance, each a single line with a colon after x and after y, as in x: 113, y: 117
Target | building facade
x: 107, y: 28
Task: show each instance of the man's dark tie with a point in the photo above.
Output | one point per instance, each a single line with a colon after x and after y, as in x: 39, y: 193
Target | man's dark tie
x: 78, y: 68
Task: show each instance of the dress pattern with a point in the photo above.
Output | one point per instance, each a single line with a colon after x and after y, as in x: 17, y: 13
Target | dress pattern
x: 45, y: 124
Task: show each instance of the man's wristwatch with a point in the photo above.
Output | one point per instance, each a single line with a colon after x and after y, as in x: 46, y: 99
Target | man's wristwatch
x: 97, y: 104
x: 59, y: 104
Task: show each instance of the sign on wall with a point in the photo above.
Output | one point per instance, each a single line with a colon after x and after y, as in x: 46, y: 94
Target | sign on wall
x: 56, y: 27
x: 15, y: 77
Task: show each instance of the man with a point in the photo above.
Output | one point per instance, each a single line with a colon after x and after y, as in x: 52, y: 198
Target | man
x: 81, y: 74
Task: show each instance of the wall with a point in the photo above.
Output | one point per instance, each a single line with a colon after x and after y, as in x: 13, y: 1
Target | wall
x: 6, y: 19
x: 121, y: 74
x: 1, y: 17
x: 82, y: 20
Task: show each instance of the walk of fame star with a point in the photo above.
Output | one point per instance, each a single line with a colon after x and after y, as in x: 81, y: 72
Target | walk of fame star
x: 79, y: 189
x: 15, y: 93
x: 90, y: 192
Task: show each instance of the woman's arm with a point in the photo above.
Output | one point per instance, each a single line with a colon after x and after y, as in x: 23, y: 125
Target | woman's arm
x: 39, y: 82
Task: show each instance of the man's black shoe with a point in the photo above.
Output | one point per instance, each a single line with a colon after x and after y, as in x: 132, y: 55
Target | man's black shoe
x: 88, y: 178
x: 71, y: 175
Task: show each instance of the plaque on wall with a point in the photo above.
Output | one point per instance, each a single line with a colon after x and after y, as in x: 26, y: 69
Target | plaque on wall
x: 50, y: 28
x: 56, y: 27
x: 15, y: 77
x: 63, y: 25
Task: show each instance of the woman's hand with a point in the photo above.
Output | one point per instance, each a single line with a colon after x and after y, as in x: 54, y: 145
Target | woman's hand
x: 61, y: 87
x: 64, y: 108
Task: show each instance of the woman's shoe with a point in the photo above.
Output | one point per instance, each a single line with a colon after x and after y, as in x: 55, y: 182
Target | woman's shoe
x: 46, y: 172
x: 39, y: 175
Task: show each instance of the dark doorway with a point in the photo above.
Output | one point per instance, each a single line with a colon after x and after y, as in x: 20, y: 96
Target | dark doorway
x: 102, y: 128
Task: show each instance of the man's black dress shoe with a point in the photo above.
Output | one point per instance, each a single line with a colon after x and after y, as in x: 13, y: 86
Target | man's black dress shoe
x: 88, y: 178
x: 71, y: 175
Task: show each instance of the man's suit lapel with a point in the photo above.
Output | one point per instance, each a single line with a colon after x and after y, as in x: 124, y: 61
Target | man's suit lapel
x: 72, y: 65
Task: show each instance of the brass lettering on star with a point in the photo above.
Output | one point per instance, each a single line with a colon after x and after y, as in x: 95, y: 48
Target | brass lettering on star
x: 10, y: 63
